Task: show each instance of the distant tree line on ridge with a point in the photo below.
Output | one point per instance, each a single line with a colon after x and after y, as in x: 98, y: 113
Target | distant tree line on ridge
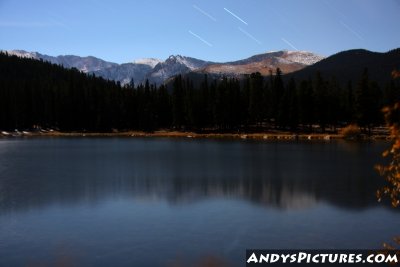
x: 37, y: 93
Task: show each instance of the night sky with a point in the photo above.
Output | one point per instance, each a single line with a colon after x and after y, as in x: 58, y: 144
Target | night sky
x: 122, y: 30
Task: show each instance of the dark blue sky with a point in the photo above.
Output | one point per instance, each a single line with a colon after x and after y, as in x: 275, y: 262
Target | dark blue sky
x: 122, y: 30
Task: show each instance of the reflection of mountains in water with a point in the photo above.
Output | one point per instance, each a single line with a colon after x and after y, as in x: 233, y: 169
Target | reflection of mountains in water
x: 280, y: 175
x: 286, y: 194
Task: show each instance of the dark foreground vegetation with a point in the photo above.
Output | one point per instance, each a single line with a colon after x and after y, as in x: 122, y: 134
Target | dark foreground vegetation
x: 38, y: 94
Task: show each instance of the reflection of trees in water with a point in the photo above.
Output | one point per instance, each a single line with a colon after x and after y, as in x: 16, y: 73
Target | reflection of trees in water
x: 281, y: 175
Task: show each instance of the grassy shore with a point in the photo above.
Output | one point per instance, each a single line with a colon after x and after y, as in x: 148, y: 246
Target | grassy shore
x: 210, y: 135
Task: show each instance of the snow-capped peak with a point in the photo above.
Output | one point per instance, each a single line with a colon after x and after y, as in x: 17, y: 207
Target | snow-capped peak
x: 152, y: 62
x: 189, y: 62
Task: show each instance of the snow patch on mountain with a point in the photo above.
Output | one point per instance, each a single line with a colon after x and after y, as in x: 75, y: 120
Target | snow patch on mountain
x: 22, y: 53
x: 287, y: 61
x: 303, y: 57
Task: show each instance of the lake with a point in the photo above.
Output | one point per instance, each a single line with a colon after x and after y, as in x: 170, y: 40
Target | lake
x: 184, y: 202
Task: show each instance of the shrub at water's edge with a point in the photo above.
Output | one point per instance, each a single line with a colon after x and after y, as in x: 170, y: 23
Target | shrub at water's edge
x: 391, y: 171
x: 351, y: 132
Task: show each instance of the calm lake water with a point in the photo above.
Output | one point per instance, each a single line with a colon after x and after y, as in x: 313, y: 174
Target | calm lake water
x: 182, y: 202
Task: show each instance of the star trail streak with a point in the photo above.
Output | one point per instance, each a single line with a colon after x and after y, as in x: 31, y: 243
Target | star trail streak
x: 204, y: 13
x: 289, y: 43
x: 236, y: 16
x: 249, y: 35
x: 201, y: 39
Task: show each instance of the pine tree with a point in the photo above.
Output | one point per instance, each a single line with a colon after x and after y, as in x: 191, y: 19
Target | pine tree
x: 256, y: 98
x: 306, y: 104
x: 177, y: 102
x: 277, y: 90
x: 368, y: 102
x: 321, y: 101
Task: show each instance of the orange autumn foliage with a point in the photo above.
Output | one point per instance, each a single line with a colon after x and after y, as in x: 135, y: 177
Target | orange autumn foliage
x: 391, y: 171
x: 396, y: 74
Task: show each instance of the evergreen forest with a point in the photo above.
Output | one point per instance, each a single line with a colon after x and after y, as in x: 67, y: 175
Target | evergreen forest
x: 38, y: 94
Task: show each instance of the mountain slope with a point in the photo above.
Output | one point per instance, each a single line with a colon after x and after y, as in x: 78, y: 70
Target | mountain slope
x: 287, y: 61
x: 175, y: 65
x: 349, y: 65
x: 84, y: 64
x: 125, y: 73
x: 157, y: 71
x: 151, y: 62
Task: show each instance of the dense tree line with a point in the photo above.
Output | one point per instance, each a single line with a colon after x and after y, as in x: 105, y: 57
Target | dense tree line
x: 39, y: 93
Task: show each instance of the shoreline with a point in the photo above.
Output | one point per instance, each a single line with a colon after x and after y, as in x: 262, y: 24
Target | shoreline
x: 188, y: 134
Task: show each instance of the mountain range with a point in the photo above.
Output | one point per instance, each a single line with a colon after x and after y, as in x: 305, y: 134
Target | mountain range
x: 158, y: 71
x: 344, y: 66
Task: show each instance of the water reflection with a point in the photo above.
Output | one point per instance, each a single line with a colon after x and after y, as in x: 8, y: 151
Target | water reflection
x: 36, y: 172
